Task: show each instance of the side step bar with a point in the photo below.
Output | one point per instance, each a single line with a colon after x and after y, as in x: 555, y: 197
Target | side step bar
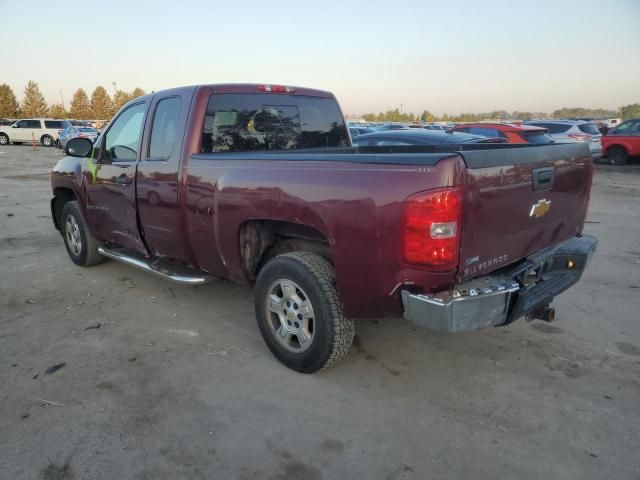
x: 163, y: 268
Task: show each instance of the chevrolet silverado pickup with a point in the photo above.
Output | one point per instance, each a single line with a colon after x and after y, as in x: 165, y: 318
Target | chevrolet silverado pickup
x: 259, y: 184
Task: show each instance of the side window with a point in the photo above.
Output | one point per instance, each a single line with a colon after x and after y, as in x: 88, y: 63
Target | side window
x: 164, y: 129
x: 122, y: 141
x: 623, y: 128
x: 391, y: 143
x: 22, y: 124
x: 33, y: 124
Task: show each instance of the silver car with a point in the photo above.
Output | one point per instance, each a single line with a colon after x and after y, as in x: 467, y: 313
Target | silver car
x: 571, y: 131
x: 75, y: 132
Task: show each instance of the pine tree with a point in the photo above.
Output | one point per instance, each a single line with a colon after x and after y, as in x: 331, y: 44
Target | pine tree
x: 80, y: 106
x: 8, y: 103
x: 101, y: 104
x: 57, y: 111
x: 119, y: 99
x: 33, y: 103
x: 137, y: 92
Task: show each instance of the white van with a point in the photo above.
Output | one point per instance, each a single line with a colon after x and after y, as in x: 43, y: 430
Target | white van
x: 44, y: 130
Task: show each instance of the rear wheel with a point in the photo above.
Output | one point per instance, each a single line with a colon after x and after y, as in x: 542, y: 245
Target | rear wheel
x: 4, y: 139
x: 300, y: 313
x: 82, y: 246
x: 46, y: 140
x: 617, y: 155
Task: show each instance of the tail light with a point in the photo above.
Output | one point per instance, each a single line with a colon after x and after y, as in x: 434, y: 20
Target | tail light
x: 276, y: 89
x: 432, y: 228
x: 580, y: 137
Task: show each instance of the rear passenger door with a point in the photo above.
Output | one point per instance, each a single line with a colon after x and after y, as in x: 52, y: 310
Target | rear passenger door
x: 157, y: 176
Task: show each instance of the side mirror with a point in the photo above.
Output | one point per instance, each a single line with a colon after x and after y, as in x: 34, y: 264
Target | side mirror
x: 79, y: 147
x: 14, y: 126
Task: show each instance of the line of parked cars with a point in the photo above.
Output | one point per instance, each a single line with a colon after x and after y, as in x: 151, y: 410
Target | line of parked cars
x: 617, y: 145
x: 48, y: 132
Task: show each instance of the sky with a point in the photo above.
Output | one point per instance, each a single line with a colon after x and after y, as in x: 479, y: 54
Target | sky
x: 442, y: 56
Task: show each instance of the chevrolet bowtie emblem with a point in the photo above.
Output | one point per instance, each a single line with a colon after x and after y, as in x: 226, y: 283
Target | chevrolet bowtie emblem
x: 541, y: 208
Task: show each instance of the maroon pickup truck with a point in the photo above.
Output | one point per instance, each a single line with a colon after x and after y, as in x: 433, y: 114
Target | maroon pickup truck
x: 259, y: 184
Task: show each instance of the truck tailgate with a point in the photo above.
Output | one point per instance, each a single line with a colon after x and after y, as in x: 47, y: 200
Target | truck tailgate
x: 521, y: 200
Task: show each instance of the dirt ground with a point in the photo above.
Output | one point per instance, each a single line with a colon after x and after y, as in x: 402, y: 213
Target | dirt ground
x: 176, y: 382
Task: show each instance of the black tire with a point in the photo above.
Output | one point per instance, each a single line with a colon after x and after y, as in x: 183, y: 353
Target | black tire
x: 86, y: 254
x: 58, y: 144
x: 47, y: 140
x: 4, y: 139
x: 332, y: 332
x: 617, y: 156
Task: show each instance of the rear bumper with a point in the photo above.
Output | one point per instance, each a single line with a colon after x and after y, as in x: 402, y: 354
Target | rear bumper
x: 505, y: 296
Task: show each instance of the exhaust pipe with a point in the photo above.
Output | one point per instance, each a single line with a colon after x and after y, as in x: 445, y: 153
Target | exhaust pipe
x: 547, y: 314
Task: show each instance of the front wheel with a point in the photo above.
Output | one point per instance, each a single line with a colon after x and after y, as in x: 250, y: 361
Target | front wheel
x: 4, y: 139
x: 300, y: 313
x: 82, y: 246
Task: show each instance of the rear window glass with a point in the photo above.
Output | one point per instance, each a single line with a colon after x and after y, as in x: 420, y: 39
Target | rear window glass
x: 536, y: 137
x: 553, y: 127
x: 589, y: 128
x: 262, y: 121
x: 485, y: 132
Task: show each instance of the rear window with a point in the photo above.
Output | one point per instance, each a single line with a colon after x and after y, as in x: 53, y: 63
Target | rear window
x: 589, y: 128
x: 261, y: 121
x: 553, y: 127
x: 59, y: 124
x: 484, y: 131
x: 536, y: 137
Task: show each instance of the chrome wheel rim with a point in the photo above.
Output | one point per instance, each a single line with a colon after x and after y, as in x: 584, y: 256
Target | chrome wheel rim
x: 72, y: 234
x: 46, y: 141
x: 3, y: 140
x: 290, y: 315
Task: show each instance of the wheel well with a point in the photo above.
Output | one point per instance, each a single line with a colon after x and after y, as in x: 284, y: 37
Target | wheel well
x: 261, y: 240
x: 617, y: 145
x: 60, y: 197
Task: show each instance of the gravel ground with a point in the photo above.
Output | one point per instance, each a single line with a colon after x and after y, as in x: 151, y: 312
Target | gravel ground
x: 170, y: 382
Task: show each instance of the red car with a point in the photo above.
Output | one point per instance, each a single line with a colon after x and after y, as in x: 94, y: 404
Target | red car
x: 514, y: 133
x: 622, y: 142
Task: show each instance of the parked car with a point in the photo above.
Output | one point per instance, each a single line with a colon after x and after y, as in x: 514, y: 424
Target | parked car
x: 75, y: 132
x: 392, y: 126
x: 5, y: 121
x: 356, y: 131
x: 572, y: 131
x: 263, y: 187
x: 622, y: 142
x: 514, y: 133
x: 421, y: 137
x: 44, y: 130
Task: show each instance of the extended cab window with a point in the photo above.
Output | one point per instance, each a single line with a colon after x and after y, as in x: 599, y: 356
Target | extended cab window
x: 263, y: 121
x: 164, y: 129
x: 123, y: 138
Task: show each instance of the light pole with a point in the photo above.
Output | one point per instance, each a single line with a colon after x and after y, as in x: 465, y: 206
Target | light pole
x: 115, y: 87
x: 62, y: 99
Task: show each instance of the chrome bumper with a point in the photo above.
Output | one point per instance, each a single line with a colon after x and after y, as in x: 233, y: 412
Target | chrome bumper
x: 485, y: 304
x: 506, y: 296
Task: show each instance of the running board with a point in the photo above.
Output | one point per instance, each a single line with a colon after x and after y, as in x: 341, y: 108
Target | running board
x: 163, y: 268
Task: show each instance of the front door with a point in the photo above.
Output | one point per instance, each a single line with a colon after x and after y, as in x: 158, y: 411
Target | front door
x: 110, y: 181
x: 22, y: 131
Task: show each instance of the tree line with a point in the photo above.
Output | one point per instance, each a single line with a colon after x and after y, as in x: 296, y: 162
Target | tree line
x: 626, y: 112
x: 100, y: 106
